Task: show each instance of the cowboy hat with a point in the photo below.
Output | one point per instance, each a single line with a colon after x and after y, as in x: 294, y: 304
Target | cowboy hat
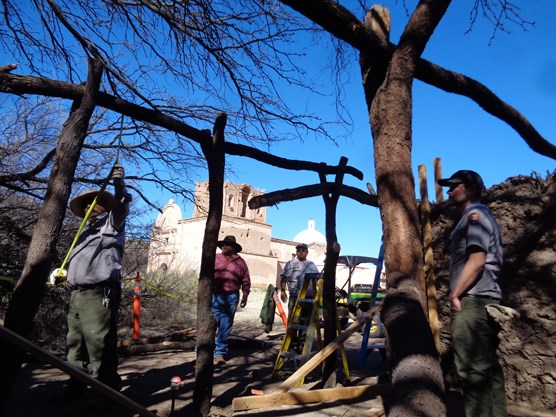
x: 78, y: 204
x: 230, y: 241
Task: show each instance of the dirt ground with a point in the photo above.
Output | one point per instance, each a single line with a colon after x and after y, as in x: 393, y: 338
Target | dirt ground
x: 249, y: 366
x: 147, y: 378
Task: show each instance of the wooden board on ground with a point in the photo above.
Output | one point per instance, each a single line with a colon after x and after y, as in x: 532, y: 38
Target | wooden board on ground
x: 306, y: 397
x: 376, y: 412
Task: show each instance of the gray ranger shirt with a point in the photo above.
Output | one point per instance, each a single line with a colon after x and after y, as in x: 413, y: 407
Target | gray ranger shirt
x: 477, y: 227
x: 97, y: 255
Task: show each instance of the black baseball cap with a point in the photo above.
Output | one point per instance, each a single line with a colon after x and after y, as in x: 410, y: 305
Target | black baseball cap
x: 463, y: 176
x: 301, y: 246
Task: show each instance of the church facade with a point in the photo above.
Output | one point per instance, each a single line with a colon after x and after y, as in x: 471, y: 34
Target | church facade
x: 176, y: 243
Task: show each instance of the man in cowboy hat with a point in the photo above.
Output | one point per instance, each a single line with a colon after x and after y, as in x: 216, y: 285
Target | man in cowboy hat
x: 475, y: 265
x: 230, y: 275
x: 94, y: 276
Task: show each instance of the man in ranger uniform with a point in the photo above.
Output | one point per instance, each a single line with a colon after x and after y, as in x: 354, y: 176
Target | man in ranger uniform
x: 94, y: 276
x: 476, y: 261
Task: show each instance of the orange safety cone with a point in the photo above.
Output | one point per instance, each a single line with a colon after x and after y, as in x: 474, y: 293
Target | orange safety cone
x: 137, y: 307
x: 280, y: 309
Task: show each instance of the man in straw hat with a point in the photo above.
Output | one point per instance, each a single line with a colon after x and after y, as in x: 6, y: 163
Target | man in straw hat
x: 230, y: 275
x: 94, y: 276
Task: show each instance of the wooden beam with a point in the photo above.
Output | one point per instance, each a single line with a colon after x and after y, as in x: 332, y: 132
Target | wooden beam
x: 313, y: 190
x: 306, y: 397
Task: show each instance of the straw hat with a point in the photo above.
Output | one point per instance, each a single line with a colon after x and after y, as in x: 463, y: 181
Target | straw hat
x: 78, y: 204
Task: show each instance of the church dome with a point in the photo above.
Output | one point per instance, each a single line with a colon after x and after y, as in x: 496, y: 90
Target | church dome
x: 310, y: 235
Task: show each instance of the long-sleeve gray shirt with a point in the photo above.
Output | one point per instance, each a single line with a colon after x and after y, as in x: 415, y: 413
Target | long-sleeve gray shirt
x: 97, y: 256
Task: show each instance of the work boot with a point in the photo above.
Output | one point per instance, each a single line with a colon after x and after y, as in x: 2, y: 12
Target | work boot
x: 219, y: 360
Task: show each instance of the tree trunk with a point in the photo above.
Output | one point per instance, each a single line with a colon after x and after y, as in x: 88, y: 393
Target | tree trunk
x: 206, y: 324
x: 417, y: 383
x: 27, y: 294
x: 391, y: 118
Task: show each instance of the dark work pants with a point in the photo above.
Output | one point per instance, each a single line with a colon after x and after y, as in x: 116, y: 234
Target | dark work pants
x: 92, y: 336
x: 475, y: 341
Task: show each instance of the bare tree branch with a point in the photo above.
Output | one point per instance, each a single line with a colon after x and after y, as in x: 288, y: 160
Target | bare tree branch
x: 16, y: 84
x: 341, y: 23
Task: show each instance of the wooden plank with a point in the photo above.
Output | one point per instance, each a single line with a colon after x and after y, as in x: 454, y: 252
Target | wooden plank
x: 307, y: 397
x: 327, y: 351
x: 81, y: 376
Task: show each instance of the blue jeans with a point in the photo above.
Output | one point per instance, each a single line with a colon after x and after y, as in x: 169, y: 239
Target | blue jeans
x: 224, y: 308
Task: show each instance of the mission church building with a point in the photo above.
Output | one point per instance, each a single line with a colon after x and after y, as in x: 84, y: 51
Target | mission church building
x: 176, y: 243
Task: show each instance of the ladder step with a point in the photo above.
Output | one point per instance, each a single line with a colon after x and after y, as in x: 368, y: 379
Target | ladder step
x: 306, y: 300
x: 298, y: 327
x: 291, y: 355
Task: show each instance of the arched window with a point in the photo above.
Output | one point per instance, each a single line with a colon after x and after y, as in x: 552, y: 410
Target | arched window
x: 245, y: 191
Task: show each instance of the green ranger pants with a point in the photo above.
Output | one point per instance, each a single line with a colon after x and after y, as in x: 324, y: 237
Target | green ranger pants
x: 475, y: 341
x: 92, y: 337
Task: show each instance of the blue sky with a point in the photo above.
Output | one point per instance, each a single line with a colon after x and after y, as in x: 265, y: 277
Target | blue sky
x: 520, y: 67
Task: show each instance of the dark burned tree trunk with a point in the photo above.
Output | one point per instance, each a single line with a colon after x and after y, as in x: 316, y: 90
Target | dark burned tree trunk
x: 206, y: 324
x: 329, y: 283
x: 391, y: 117
x: 28, y: 292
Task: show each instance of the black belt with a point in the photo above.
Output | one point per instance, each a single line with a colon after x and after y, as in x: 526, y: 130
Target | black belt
x: 226, y: 292
x: 486, y: 297
x: 103, y: 284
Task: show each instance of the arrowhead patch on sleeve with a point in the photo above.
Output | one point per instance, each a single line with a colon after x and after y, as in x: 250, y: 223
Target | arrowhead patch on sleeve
x: 473, y: 217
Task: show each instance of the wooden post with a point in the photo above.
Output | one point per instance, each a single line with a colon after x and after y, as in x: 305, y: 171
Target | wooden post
x: 137, y: 307
x: 428, y: 256
x: 437, y: 164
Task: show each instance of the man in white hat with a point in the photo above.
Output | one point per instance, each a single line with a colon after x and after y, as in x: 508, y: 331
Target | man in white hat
x: 230, y: 275
x: 293, y: 276
x: 94, y: 276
